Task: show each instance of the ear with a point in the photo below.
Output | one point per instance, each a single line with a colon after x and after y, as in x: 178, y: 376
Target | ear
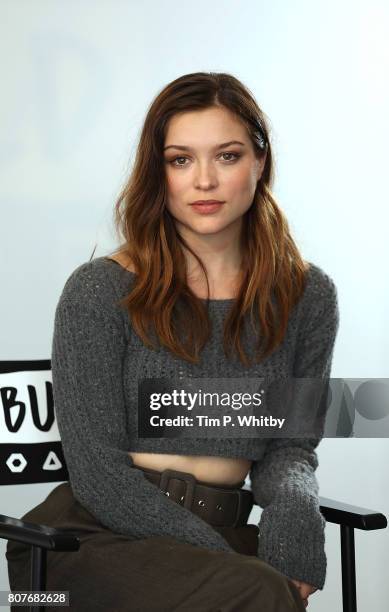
x: 260, y: 166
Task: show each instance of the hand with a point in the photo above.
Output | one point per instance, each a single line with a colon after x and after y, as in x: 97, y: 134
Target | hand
x: 305, y: 590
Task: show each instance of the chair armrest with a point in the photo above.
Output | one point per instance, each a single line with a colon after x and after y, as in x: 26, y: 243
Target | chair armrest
x: 38, y: 535
x: 351, y: 516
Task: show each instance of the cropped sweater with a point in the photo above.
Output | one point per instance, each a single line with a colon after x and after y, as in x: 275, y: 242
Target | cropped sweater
x: 97, y: 360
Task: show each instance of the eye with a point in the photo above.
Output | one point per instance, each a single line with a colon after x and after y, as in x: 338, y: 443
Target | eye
x: 175, y: 159
x: 236, y: 157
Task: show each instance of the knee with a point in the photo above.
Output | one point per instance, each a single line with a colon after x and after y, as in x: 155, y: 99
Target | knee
x: 253, y: 570
x: 263, y: 584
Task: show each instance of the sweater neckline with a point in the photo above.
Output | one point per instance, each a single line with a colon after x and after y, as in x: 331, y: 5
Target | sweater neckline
x: 212, y: 302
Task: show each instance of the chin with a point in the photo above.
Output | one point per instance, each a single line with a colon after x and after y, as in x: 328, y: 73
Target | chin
x: 208, y: 224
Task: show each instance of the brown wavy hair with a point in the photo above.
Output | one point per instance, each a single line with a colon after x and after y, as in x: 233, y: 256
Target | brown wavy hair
x: 160, y: 301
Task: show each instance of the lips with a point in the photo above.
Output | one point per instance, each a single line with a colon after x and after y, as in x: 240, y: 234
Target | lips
x: 206, y: 202
x: 206, y: 208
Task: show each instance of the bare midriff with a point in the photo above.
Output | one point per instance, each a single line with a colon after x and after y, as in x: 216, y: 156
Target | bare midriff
x: 214, y: 470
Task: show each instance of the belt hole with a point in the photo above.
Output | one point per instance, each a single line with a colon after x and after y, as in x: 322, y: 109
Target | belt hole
x: 201, y: 502
x: 182, y: 498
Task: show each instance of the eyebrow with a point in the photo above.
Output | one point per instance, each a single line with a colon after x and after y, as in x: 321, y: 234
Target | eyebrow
x: 220, y: 146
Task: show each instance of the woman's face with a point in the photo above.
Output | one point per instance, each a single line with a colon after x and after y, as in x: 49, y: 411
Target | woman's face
x: 198, y: 168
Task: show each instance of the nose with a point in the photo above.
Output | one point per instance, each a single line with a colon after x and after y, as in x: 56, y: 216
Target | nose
x: 205, y: 176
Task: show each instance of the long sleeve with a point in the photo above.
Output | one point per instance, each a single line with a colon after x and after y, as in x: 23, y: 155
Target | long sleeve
x: 284, y: 484
x: 87, y: 362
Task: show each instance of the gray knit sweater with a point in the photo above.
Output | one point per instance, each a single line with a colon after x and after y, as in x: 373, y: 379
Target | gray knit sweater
x: 97, y: 359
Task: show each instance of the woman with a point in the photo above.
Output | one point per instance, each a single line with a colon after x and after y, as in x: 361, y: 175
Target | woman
x: 159, y: 520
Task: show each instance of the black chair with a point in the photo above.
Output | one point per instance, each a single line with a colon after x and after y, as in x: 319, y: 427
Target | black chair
x: 42, y: 538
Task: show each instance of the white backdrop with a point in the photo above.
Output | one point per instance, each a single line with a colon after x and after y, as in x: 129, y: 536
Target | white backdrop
x: 76, y: 80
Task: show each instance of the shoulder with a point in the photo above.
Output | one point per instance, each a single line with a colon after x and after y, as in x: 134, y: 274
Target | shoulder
x: 319, y: 301
x: 317, y: 325
x: 96, y: 282
x: 320, y: 286
x: 123, y: 260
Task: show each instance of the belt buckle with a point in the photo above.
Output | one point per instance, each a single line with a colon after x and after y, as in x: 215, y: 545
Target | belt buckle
x: 190, y: 480
x: 238, y: 510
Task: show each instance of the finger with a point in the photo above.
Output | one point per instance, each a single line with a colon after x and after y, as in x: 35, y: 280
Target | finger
x: 311, y: 591
x: 296, y: 582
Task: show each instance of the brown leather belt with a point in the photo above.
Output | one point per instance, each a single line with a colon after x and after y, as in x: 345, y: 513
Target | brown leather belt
x: 218, y: 506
